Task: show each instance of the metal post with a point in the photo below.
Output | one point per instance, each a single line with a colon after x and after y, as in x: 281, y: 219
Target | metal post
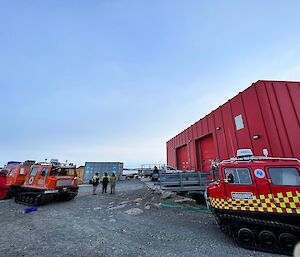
x: 180, y: 178
x: 199, y: 176
x: 160, y: 180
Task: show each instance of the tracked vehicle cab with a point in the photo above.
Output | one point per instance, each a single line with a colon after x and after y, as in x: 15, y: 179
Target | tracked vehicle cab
x: 49, y: 181
x: 16, y: 174
x: 256, y: 199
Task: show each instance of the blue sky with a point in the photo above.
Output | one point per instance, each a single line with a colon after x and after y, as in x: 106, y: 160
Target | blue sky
x: 114, y: 80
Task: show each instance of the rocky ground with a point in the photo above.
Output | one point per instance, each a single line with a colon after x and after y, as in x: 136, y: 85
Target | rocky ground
x: 134, y: 222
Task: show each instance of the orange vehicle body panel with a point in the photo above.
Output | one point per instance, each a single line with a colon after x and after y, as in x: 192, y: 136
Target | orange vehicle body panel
x: 16, y: 174
x: 39, y: 178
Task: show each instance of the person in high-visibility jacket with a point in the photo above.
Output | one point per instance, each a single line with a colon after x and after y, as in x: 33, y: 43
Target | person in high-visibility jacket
x: 3, y: 186
x: 105, y: 181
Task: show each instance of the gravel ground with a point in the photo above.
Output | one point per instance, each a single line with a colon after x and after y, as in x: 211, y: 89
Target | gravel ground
x: 129, y: 223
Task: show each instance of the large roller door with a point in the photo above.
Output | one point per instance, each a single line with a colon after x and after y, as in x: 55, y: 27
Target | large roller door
x: 205, y: 152
x: 182, y: 157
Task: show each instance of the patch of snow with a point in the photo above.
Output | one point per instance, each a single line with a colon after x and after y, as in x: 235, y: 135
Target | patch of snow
x: 134, y: 211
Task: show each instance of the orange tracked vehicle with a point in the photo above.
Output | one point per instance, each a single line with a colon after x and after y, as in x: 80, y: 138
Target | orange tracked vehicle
x: 48, y: 181
x: 256, y: 200
x: 16, y: 175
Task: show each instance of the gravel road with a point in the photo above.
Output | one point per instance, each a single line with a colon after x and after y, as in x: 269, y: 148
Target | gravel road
x: 130, y: 223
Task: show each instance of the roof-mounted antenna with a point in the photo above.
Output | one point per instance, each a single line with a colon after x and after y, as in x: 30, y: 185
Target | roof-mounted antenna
x: 265, y: 152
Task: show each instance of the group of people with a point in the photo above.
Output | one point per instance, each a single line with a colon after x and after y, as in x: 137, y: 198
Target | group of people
x: 105, y: 181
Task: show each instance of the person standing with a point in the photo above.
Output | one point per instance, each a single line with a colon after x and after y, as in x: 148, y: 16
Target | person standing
x: 95, y: 181
x: 113, y: 182
x: 3, y: 186
x: 105, y: 180
x: 155, y: 175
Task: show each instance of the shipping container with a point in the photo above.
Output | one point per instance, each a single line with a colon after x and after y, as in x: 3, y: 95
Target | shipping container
x: 110, y: 167
x: 264, y: 116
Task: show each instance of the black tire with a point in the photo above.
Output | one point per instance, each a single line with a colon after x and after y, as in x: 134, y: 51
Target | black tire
x: 27, y: 199
x: 31, y: 200
x: 267, y: 239
x: 246, y: 237
x: 17, y: 198
x: 23, y: 198
x: 36, y: 201
x: 67, y: 197
x: 10, y: 193
x: 287, y: 241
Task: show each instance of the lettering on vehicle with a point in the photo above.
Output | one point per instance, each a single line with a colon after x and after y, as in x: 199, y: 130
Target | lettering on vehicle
x: 40, y: 181
x: 259, y: 173
x: 242, y: 195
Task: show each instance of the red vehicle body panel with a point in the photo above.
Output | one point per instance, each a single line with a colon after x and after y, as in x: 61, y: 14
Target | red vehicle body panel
x: 3, y: 187
x: 270, y: 112
x: 267, y: 197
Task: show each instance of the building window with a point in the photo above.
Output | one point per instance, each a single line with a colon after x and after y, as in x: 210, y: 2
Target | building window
x: 285, y: 176
x: 239, y: 124
x: 238, y: 176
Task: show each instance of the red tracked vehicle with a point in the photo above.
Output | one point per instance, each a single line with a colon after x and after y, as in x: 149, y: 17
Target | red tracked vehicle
x: 15, y: 176
x: 48, y: 181
x: 256, y: 200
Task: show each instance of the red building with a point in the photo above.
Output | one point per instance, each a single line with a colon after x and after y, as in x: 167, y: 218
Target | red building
x: 265, y: 115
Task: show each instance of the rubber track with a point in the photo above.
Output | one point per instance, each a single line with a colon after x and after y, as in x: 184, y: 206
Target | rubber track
x: 221, y: 219
x: 261, y: 222
x: 41, y: 201
x: 43, y: 198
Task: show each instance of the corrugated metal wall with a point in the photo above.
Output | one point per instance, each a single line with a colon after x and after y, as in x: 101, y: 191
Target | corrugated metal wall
x: 265, y: 115
x: 110, y: 167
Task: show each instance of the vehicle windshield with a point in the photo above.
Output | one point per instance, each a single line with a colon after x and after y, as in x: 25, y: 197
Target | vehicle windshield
x: 62, y: 171
x: 285, y: 176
